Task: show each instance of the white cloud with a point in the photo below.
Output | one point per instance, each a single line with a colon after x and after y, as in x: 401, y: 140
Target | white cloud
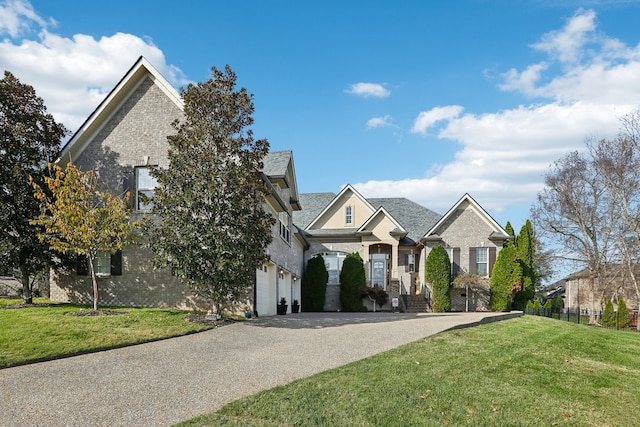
x: 505, y: 154
x: 379, y: 122
x: 73, y: 75
x: 368, y: 89
x: 16, y: 17
x: 427, y: 119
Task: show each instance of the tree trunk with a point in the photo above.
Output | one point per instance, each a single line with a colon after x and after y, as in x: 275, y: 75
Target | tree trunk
x: 95, y: 284
x: 27, y: 295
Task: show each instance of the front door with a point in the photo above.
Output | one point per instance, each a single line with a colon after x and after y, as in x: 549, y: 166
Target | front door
x: 379, y: 271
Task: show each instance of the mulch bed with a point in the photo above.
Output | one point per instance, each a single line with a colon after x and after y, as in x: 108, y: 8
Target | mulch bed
x: 100, y: 312
x: 205, y: 320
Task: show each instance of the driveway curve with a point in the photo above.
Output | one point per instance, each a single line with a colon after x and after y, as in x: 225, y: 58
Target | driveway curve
x: 165, y: 382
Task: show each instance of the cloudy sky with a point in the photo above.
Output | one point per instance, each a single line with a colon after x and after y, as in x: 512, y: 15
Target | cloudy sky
x: 412, y: 99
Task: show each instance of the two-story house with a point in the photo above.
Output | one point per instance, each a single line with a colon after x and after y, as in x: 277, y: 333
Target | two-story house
x: 126, y: 134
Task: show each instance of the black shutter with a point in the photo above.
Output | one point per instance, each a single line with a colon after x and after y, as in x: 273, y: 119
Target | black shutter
x: 82, y: 265
x: 129, y: 185
x: 472, y: 260
x: 116, y: 264
x: 456, y: 262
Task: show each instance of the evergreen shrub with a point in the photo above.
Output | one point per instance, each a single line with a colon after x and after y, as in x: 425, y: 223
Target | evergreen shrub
x: 352, y: 278
x: 314, y: 284
x: 438, y: 273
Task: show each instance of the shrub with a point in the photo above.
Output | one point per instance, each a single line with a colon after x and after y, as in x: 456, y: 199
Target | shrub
x: 378, y: 296
x: 623, y: 314
x: 505, y: 279
x: 537, y: 304
x: 314, y: 284
x: 608, y: 316
x: 352, y: 278
x: 557, y: 302
x: 438, y: 273
x: 547, y: 308
x: 529, y: 304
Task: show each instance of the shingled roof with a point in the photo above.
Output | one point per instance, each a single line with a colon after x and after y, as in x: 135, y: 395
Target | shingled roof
x: 275, y: 163
x: 414, y: 218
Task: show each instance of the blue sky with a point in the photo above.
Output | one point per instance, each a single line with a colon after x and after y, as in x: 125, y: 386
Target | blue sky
x: 417, y: 99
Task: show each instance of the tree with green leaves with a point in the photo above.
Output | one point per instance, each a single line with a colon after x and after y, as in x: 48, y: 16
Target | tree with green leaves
x: 438, y: 273
x: 506, y: 278
x: 622, y: 316
x: 79, y: 218
x: 29, y: 139
x: 209, y: 223
x: 525, y: 249
x: 510, y: 231
x: 352, y: 278
x: 314, y: 284
x: 608, y: 315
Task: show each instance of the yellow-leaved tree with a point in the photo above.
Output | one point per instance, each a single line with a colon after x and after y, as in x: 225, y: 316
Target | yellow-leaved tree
x: 79, y: 218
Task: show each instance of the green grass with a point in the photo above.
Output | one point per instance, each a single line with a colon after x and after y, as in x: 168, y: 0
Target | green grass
x: 35, y: 334
x: 530, y: 371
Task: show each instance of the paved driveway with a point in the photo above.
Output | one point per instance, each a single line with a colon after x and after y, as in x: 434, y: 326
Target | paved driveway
x: 164, y: 382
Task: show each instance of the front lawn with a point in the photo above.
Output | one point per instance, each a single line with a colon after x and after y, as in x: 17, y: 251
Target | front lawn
x: 50, y: 331
x: 530, y: 371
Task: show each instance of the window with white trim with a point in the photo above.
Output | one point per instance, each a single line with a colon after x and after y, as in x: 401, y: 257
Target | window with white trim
x: 482, y: 261
x: 348, y: 215
x: 145, y: 186
x: 284, y: 220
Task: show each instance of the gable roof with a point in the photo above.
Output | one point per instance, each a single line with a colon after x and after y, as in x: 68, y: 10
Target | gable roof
x: 347, y: 188
x: 278, y: 166
x: 312, y: 205
x: 499, y: 233
x: 141, y: 70
x: 413, y: 219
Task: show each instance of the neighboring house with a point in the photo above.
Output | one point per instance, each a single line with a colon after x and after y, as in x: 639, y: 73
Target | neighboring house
x: 615, y: 283
x: 119, y: 140
x: 393, y: 236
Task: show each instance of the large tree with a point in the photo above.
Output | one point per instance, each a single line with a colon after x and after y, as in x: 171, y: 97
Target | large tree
x: 80, y: 218
x: 575, y: 213
x: 438, y: 274
x: 29, y: 139
x: 618, y: 162
x: 210, y: 225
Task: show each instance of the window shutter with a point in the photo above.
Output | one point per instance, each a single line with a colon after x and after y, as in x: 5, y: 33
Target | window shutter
x: 116, y: 264
x: 129, y: 185
x: 492, y: 259
x: 455, y: 268
x: 472, y: 260
x: 82, y: 265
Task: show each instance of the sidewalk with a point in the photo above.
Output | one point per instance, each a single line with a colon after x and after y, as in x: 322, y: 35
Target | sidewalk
x: 164, y: 382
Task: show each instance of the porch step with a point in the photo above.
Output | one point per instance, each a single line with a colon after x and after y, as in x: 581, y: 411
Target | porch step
x: 416, y: 304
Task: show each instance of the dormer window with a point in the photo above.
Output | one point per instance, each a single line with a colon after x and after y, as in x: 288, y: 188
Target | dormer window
x: 348, y: 215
